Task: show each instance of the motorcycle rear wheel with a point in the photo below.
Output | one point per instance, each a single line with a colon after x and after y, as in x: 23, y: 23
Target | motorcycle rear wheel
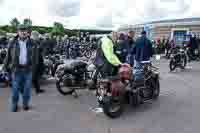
x: 61, y: 89
x: 156, y: 88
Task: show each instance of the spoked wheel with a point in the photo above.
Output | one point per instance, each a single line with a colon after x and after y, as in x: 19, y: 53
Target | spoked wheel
x: 172, y: 65
x: 183, y: 62
x: 156, y: 88
x: 62, y: 89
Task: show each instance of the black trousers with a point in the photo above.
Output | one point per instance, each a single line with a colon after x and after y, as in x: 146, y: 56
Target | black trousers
x: 35, y: 80
x: 36, y: 85
x: 108, y: 70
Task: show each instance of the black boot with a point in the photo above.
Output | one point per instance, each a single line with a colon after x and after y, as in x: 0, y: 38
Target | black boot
x: 40, y: 91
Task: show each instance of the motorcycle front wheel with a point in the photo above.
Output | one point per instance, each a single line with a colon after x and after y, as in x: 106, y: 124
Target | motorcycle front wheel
x: 113, y: 108
x: 156, y: 88
x: 172, y: 65
x: 184, y: 62
x: 62, y: 89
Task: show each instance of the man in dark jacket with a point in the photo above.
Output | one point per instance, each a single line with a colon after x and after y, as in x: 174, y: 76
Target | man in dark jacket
x: 106, y: 59
x: 193, y: 46
x: 19, y: 62
x: 3, y: 42
x: 121, y: 48
x: 37, y: 66
x: 167, y: 45
x: 130, y: 45
x: 143, y: 51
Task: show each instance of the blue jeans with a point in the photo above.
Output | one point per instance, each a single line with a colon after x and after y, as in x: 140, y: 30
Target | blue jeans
x: 130, y: 59
x: 21, y: 79
x: 137, y: 71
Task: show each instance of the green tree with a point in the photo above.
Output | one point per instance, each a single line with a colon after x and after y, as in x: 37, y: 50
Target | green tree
x: 58, y: 29
x: 14, y: 23
x: 5, y: 28
x: 2, y: 32
x: 27, y: 22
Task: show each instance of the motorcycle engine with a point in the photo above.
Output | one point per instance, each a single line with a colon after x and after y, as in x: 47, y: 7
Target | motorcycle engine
x: 74, y: 80
x: 69, y: 80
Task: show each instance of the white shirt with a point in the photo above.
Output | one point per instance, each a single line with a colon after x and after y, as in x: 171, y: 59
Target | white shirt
x: 23, y: 52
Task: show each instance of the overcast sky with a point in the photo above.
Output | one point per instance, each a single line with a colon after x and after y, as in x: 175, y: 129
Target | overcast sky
x: 96, y: 13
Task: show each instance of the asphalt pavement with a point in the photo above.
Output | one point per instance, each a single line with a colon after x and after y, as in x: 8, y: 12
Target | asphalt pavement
x: 176, y: 110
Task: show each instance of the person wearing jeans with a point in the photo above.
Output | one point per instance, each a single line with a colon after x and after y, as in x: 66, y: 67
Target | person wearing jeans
x: 21, y: 76
x: 143, y: 51
x: 19, y: 62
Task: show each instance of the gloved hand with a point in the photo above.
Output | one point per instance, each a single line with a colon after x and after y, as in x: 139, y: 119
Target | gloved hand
x: 124, y: 64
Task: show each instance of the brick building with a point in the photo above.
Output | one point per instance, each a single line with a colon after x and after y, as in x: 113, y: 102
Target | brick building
x: 176, y: 29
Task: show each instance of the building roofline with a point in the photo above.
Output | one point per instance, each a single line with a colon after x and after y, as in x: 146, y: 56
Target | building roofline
x: 174, y: 20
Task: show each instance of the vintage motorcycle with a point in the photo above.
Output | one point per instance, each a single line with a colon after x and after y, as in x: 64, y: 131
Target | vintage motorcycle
x: 73, y: 75
x: 192, y: 57
x: 178, y: 59
x: 114, y: 92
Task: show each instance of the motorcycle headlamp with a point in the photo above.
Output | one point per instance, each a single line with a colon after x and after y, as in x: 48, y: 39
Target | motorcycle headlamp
x: 181, y: 50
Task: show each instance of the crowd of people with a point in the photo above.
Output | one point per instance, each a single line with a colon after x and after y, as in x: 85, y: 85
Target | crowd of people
x: 120, y: 49
x: 163, y: 46
x: 24, y: 61
x: 25, y: 54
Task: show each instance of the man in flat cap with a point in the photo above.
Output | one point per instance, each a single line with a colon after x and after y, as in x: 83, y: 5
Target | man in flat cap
x: 19, y: 63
